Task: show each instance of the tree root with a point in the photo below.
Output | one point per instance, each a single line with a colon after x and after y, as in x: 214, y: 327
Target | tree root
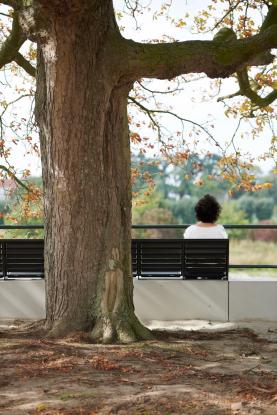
x: 109, y: 329
x: 63, y: 328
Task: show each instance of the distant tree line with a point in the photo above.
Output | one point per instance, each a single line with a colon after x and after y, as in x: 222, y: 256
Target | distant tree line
x: 176, y: 189
x: 166, y: 194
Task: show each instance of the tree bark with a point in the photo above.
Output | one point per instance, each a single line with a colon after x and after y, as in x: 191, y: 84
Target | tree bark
x: 214, y: 58
x: 82, y: 114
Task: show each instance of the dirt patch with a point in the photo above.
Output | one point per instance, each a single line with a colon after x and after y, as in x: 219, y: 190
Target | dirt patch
x: 232, y: 372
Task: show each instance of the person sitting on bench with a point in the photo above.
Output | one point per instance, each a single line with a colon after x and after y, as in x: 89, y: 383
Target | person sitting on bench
x: 207, y: 211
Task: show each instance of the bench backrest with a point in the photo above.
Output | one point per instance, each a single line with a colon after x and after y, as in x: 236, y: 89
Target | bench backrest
x: 22, y: 258
x: 206, y: 258
x: 180, y: 258
x: 151, y: 258
x: 157, y: 258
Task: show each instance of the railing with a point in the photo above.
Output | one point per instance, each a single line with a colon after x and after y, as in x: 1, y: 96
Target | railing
x: 183, y: 226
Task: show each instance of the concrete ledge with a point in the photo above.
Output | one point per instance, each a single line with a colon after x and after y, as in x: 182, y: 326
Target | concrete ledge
x: 252, y: 301
x: 22, y: 299
x: 162, y: 300
x: 181, y: 300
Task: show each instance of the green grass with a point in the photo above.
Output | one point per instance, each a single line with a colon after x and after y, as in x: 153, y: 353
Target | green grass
x: 255, y: 272
x: 253, y: 252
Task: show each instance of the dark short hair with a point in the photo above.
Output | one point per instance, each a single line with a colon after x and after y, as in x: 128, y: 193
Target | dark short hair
x: 207, y: 209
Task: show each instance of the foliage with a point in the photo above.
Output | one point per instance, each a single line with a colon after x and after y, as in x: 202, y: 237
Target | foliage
x: 25, y: 211
x: 271, y: 192
x: 143, y: 203
x: 231, y: 215
x: 4, y: 209
x: 177, y: 188
x: 264, y: 208
x: 195, y: 176
x: 247, y: 205
x: 183, y: 209
x: 154, y: 210
x: 267, y: 235
x: 159, y: 216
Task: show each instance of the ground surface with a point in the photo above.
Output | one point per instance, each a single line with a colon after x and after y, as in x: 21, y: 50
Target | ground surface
x: 188, y: 372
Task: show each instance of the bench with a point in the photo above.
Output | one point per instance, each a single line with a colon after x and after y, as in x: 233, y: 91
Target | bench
x: 151, y: 258
x: 21, y: 258
x: 180, y: 258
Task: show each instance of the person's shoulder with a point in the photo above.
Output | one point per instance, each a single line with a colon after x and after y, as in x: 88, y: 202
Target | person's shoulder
x: 192, y: 228
x: 222, y: 230
x: 189, y: 230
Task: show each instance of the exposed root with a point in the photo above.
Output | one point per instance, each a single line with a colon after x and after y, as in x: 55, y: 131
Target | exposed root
x: 34, y: 329
x: 63, y: 328
x: 108, y: 330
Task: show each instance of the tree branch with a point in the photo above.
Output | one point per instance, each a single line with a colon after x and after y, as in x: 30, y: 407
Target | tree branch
x: 13, y: 176
x: 230, y: 10
x: 216, y: 59
x: 13, y: 43
x: 15, y: 4
x: 229, y: 96
x: 160, y: 92
x: 247, y: 91
x: 151, y: 112
x: 25, y: 64
x: 245, y: 88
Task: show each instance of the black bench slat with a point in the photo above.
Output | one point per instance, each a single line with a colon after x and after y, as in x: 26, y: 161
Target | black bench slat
x: 206, y: 265
x: 160, y: 256
x: 208, y: 251
x: 14, y: 249
x: 25, y: 261
x: 161, y: 268
x: 205, y: 261
x: 20, y: 257
x: 156, y: 275
x: 161, y: 260
x: 24, y: 267
x: 205, y: 256
x: 23, y: 247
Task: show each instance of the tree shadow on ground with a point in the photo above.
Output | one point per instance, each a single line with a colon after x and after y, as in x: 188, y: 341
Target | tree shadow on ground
x: 184, y: 372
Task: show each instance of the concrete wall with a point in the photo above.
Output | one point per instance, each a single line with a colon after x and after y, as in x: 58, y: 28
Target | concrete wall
x: 22, y: 299
x: 163, y: 300
x: 253, y: 300
x: 181, y: 300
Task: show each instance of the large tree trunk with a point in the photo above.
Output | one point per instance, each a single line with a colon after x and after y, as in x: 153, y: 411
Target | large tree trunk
x: 82, y: 114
